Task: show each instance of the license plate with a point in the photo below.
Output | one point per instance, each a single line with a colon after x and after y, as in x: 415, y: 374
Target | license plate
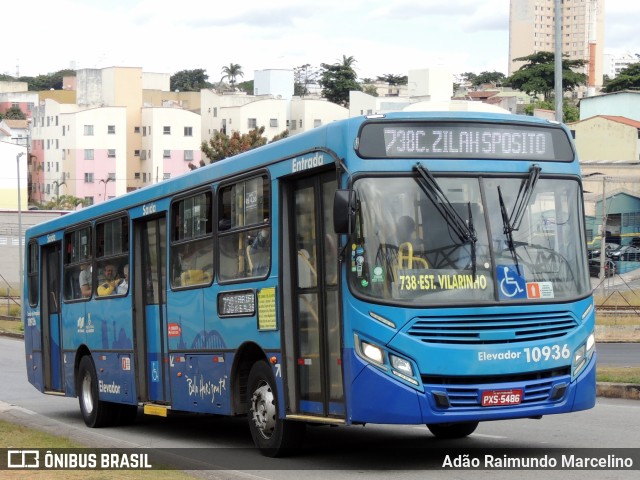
x: 498, y: 398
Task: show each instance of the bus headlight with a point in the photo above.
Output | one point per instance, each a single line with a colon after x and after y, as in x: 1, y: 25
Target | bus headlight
x: 401, y: 365
x: 390, y: 363
x: 583, y: 354
x: 372, y: 352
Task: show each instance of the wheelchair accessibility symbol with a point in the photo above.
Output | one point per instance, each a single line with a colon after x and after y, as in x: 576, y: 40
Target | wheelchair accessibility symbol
x: 155, y: 372
x: 511, y: 281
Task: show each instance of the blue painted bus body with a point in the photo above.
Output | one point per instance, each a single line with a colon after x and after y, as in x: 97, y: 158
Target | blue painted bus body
x: 200, y: 347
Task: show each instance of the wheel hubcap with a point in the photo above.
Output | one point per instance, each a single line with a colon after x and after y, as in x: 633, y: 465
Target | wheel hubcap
x: 263, y: 410
x: 87, y: 399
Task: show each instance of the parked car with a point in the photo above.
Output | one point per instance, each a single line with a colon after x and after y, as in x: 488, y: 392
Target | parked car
x: 609, y: 268
x: 627, y: 253
x: 609, y: 247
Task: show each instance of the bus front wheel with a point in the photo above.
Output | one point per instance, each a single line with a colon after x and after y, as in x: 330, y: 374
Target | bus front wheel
x: 95, y: 412
x: 271, y: 434
x: 452, y: 430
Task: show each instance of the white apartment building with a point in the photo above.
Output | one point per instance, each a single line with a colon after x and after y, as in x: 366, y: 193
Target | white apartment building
x: 614, y: 64
x: 110, y: 142
x: 532, y: 30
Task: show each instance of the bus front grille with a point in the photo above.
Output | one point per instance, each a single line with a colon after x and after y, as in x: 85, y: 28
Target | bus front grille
x: 492, y: 329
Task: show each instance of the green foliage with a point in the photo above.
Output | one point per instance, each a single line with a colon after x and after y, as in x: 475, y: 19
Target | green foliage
x: 338, y: 80
x: 246, y: 86
x: 392, y: 79
x: 62, y: 202
x: 231, y: 72
x: 51, y: 81
x: 494, y: 78
x: 14, y: 113
x: 538, y: 75
x: 570, y: 112
x: 189, y: 80
x: 222, y: 146
x: 627, y: 79
x: 370, y: 90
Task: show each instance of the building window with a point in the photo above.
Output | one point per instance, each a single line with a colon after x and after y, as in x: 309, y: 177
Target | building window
x: 317, y: 122
x: 300, y: 124
x: 215, y: 111
x: 111, y: 129
x: 166, y: 176
x: 111, y: 153
x: 111, y: 176
x: 88, y: 154
x: 88, y: 201
x: 188, y: 131
x: 273, y: 122
x: 144, y: 131
x: 136, y: 153
x: 143, y: 155
x: 136, y: 129
x: 88, y: 177
x: 188, y: 155
x: 252, y: 123
x: 166, y: 130
x: 166, y: 154
x: 88, y: 130
x: 136, y: 176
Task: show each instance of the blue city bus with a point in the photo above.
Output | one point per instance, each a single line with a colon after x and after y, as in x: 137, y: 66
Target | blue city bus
x: 407, y: 268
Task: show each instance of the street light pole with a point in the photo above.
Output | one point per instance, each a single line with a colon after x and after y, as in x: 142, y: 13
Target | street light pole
x: 109, y: 179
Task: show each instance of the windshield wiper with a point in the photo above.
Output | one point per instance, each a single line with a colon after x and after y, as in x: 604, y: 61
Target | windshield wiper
x: 524, y: 195
x: 465, y: 232
x: 508, y: 230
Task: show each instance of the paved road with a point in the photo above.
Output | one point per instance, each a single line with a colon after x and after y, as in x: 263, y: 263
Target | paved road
x: 619, y: 354
x: 394, y: 452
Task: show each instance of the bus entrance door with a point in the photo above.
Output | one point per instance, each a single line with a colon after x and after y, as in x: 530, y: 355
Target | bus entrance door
x: 316, y: 359
x: 51, y: 325
x: 150, y: 311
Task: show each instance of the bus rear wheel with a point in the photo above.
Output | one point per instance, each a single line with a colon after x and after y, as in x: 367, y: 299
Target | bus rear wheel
x: 452, y: 430
x: 95, y: 412
x: 272, y: 435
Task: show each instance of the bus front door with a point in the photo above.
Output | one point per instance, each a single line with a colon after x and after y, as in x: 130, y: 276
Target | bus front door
x: 150, y: 311
x: 50, y: 314
x: 314, y: 325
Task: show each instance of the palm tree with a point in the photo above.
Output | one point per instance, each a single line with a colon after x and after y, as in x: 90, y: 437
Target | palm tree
x: 231, y: 72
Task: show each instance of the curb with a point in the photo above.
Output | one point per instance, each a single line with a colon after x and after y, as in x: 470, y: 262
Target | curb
x: 618, y: 390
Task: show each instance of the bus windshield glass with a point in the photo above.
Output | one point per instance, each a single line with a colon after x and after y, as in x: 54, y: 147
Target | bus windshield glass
x: 411, y: 245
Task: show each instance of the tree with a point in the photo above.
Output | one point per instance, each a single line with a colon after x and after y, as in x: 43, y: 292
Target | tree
x: 14, y: 113
x: 494, y: 78
x: 303, y: 76
x: 246, y: 86
x: 338, y: 80
x: 189, y: 80
x: 231, y: 73
x: 538, y: 76
x: 627, y: 79
x: 51, y: 81
x: 63, y: 202
x: 391, y: 79
x: 222, y: 146
x: 570, y: 112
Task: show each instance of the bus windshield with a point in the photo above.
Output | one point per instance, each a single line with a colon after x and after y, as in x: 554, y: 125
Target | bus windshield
x: 490, y: 239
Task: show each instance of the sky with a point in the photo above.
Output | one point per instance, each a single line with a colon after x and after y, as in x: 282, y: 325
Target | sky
x: 383, y: 36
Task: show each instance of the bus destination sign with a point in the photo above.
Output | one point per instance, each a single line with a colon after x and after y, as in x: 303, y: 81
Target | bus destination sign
x: 473, y: 140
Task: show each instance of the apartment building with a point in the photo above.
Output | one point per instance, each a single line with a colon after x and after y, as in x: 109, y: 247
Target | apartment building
x: 532, y: 30
x: 112, y: 139
x: 614, y: 64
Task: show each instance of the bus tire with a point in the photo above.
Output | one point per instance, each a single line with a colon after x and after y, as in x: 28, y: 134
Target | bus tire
x: 95, y: 412
x: 452, y: 430
x: 272, y: 435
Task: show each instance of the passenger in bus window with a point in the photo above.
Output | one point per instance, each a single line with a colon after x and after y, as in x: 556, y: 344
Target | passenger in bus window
x: 85, y: 280
x: 259, y: 252
x: 123, y: 286
x: 110, y: 282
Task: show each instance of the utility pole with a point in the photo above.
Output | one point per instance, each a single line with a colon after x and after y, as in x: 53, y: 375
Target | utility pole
x: 603, y: 240
x: 558, y: 60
